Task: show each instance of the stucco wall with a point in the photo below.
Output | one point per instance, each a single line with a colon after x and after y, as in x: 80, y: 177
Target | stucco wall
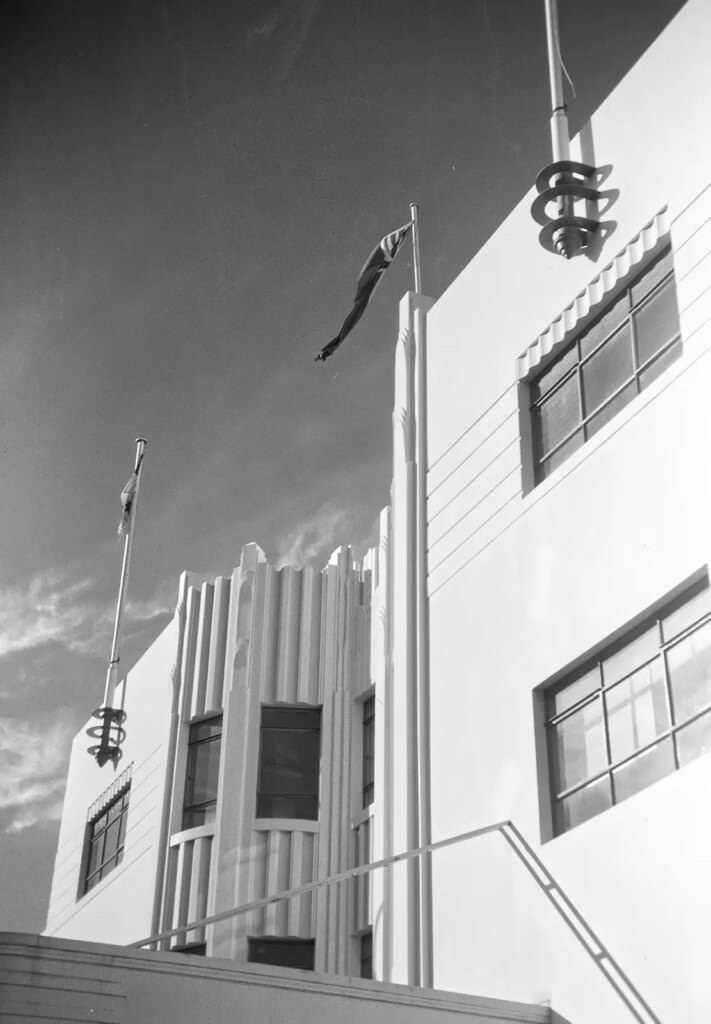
x: 522, y: 584
x: 120, y: 905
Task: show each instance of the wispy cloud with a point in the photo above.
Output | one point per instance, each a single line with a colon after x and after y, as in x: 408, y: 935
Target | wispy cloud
x: 264, y: 29
x: 31, y: 773
x: 53, y: 607
x: 314, y: 538
x: 296, y: 17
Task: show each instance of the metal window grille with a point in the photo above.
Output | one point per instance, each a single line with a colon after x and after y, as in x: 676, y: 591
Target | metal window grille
x: 639, y: 711
x: 628, y: 345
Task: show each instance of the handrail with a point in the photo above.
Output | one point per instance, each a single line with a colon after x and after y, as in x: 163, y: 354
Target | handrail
x: 594, y: 947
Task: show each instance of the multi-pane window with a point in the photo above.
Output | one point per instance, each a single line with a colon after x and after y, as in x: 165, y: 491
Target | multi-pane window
x: 368, y: 751
x: 640, y: 711
x: 622, y: 351
x: 282, y: 952
x: 105, y: 837
x: 289, y: 763
x: 203, y: 768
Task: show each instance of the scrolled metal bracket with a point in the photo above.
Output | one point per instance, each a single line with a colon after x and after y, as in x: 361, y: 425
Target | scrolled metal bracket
x: 565, y: 182
x: 110, y: 734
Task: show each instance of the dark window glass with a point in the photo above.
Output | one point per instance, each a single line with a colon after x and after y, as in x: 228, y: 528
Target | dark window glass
x: 192, y: 948
x: 366, y: 955
x: 289, y: 763
x: 297, y: 953
x: 105, y: 837
x: 202, y: 773
x: 622, y: 351
x: 368, y: 752
x: 558, y: 414
x: 607, y: 369
x: 641, y: 710
x: 656, y: 321
x: 583, y: 804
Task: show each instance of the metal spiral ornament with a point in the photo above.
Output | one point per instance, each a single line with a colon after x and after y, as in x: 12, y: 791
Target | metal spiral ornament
x: 565, y: 182
x: 110, y: 734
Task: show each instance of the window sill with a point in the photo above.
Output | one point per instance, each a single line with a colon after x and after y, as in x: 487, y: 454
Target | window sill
x: 285, y: 825
x: 197, y: 832
x: 362, y: 816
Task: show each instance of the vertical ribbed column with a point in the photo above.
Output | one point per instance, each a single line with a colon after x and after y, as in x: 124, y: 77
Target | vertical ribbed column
x: 278, y: 879
x: 302, y: 871
x: 289, y: 636
x: 188, y: 666
x: 202, y: 652
x: 310, y: 641
x: 270, y: 635
x: 198, y: 884
x: 218, y: 643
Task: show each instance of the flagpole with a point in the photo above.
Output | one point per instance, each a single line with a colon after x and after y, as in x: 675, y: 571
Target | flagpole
x: 109, y: 748
x: 414, y: 211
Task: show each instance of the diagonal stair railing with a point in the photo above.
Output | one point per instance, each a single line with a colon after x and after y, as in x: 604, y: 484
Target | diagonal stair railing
x: 589, y: 940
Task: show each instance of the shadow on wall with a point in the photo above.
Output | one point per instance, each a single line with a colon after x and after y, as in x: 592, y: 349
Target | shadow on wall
x: 608, y: 197
x: 557, y: 1018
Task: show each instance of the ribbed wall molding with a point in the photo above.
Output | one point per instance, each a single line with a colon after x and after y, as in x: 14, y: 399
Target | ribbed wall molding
x: 267, y: 636
x: 187, y: 888
x: 362, y: 884
x: 597, y: 291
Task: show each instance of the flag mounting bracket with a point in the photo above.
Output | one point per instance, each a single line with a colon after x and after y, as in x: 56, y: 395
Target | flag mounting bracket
x: 565, y: 182
x: 110, y: 734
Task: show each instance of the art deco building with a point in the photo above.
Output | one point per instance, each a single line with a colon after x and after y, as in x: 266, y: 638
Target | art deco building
x: 551, y: 522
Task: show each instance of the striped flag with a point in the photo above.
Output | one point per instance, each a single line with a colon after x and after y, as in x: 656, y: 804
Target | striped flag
x: 375, y: 266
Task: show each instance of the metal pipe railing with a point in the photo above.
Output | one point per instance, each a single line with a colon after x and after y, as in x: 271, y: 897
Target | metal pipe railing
x: 594, y: 947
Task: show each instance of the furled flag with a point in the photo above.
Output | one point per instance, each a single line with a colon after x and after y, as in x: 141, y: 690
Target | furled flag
x: 127, y: 499
x: 377, y: 263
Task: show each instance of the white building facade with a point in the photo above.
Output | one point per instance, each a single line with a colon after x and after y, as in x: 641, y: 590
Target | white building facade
x: 533, y: 635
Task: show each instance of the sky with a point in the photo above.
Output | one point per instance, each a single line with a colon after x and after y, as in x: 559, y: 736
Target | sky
x: 189, y: 189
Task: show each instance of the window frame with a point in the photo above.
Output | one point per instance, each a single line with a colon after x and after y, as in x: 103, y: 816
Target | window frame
x: 89, y: 879
x: 675, y: 723
x: 584, y: 420
x: 368, y: 759
x: 193, y: 752
x: 262, y: 797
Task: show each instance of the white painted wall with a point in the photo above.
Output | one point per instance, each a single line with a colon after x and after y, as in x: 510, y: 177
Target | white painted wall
x: 522, y: 585
x: 119, y: 906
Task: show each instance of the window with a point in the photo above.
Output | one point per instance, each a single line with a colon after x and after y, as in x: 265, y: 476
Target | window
x: 282, y: 952
x: 192, y: 948
x: 640, y: 711
x: 105, y: 837
x: 368, y: 751
x: 366, y: 955
x: 289, y: 758
x: 203, y: 769
x: 614, y: 358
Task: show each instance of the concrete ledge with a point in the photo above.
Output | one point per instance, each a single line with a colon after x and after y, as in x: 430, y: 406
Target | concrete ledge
x: 43, y: 978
